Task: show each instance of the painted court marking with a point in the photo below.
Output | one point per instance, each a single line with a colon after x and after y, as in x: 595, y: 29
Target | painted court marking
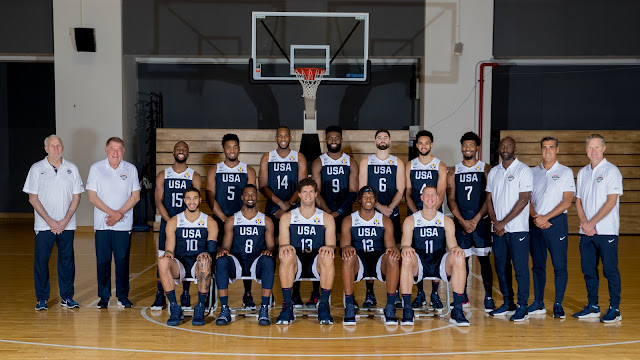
x: 318, y: 355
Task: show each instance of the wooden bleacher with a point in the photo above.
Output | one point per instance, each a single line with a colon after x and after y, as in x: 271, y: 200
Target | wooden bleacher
x: 205, y: 149
x: 623, y: 150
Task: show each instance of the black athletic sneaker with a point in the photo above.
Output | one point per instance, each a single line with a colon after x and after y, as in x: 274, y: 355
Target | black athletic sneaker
x: 42, y: 305
x: 161, y: 301
x: 313, y: 300
x: 198, y: 315
x: 390, y: 315
x: 103, y: 303
x: 286, y: 316
x: 349, y: 315
x: 435, y: 302
x: 324, y: 313
x: 185, y: 300
x: 296, y: 300
x: 419, y: 301
x: 247, y: 301
x: 407, y: 316
x: 369, y: 301
x: 125, y: 303
x: 176, y: 316
x: 457, y: 317
x: 225, y: 316
x: 263, y: 316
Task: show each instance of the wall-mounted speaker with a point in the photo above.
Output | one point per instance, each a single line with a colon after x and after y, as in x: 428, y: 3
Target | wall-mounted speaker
x: 85, y: 39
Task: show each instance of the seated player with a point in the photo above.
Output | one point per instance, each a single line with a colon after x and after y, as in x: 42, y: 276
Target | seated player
x: 247, y: 250
x: 307, y: 246
x: 190, y: 242
x: 369, y: 250
x: 426, y: 235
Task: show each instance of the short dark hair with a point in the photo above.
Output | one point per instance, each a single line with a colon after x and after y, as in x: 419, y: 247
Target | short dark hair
x: 549, y: 138
x: 115, y: 139
x: 470, y: 135
x: 283, y: 127
x: 307, y: 182
x: 429, y: 187
x: 228, y: 137
x: 365, y: 189
x: 192, y: 189
x: 422, y: 133
x: 333, y: 128
x: 249, y: 186
x: 382, y: 131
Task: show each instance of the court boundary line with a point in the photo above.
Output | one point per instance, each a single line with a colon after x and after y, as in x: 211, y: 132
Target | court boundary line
x: 80, y: 347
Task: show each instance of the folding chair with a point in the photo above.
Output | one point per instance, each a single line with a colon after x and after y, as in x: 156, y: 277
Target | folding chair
x: 427, y: 311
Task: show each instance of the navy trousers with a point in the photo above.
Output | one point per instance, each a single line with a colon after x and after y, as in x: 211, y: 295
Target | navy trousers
x: 593, y: 248
x: 117, y: 244
x: 512, y: 247
x: 66, y: 264
x: 554, y: 239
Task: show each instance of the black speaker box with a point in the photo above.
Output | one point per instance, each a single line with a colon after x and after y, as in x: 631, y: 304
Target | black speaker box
x: 85, y: 39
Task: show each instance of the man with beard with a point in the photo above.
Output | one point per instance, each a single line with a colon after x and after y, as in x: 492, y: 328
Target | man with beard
x: 598, y: 203
x: 191, y: 242
x: 337, y: 175
x: 247, y: 250
x: 467, y: 201
x: 307, y: 247
x: 509, y: 187
x: 369, y: 250
x: 170, y: 186
x: 114, y: 189
x: 385, y: 174
x: 225, y: 182
x: 280, y: 171
x: 425, y: 170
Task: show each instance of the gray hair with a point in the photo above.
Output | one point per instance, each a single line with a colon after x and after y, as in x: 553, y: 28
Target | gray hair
x: 548, y: 138
x: 594, y: 136
x: 52, y: 136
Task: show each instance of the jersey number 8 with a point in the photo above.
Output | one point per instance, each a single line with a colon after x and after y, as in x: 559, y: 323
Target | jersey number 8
x: 248, y: 246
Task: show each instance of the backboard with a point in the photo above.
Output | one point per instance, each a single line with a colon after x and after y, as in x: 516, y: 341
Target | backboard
x: 284, y: 41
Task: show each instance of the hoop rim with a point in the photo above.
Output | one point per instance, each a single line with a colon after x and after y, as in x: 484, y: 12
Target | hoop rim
x: 309, y: 73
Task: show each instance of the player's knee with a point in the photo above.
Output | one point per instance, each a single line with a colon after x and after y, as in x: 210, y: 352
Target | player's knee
x: 288, y: 261
x: 391, y: 261
x: 325, y: 262
x: 268, y: 264
x: 164, y: 263
x: 407, y: 264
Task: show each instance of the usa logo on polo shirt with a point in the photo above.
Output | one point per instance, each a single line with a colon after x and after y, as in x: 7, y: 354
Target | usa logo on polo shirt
x: 123, y: 176
x: 69, y: 171
x: 555, y: 177
x: 599, y: 178
x: 511, y: 177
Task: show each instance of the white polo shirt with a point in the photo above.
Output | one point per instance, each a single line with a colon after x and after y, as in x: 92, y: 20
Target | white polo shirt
x: 114, y: 187
x: 55, y: 190
x: 505, y: 186
x: 550, y: 185
x: 593, y: 187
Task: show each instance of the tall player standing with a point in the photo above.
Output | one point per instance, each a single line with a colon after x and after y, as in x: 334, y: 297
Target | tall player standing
x: 424, y: 170
x: 225, y: 181
x: 170, y: 186
x: 307, y: 249
x: 280, y: 171
x: 386, y: 175
x: 466, y: 198
x: 337, y: 175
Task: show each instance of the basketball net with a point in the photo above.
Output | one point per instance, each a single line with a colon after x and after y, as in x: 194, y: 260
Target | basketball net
x: 310, y: 79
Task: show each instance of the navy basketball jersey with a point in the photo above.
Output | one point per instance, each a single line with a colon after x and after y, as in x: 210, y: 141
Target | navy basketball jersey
x: 470, y: 186
x: 191, y: 237
x: 422, y: 175
x: 367, y: 236
x: 381, y: 175
x: 283, y: 177
x: 306, y: 235
x: 229, y: 185
x: 248, y: 235
x: 334, y: 186
x: 174, y: 187
x: 429, y: 239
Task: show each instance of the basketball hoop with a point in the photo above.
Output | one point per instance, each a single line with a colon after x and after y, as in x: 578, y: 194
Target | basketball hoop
x: 310, y: 80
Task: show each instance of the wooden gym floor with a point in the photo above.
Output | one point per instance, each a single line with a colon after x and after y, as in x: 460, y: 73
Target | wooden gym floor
x: 89, y: 333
